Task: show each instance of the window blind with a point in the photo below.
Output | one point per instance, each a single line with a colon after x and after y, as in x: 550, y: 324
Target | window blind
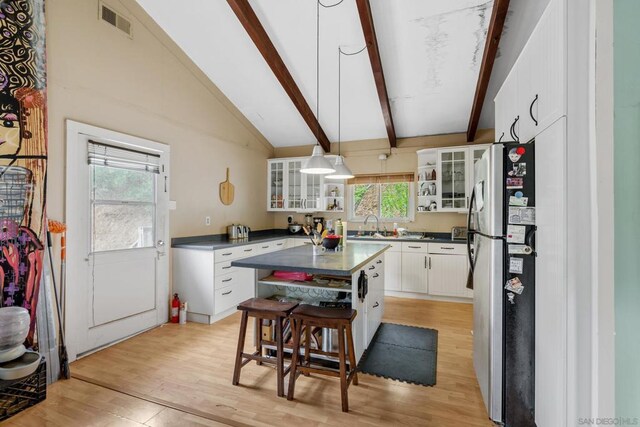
x: 103, y: 154
x: 382, y: 178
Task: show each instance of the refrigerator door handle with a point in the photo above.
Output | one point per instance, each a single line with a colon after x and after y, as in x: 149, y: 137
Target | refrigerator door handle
x: 470, y: 232
x: 529, y: 239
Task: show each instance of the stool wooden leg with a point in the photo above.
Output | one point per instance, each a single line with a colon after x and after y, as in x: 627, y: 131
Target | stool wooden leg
x: 307, y: 346
x: 279, y: 357
x: 259, y: 339
x: 343, y: 370
x: 239, y: 351
x: 296, y: 329
x: 352, y: 355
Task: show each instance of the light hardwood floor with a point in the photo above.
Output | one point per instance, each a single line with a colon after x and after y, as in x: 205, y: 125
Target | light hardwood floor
x: 179, y: 368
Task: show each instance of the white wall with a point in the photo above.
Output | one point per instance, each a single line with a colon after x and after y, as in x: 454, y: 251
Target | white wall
x: 147, y: 87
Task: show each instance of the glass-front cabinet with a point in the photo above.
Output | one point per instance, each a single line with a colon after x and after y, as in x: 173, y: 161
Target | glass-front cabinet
x: 275, y: 187
x: 313, y: 190
x: 294, y: 186
x: 291, y: 190
x: 446, y: 177
x: 453, y: 179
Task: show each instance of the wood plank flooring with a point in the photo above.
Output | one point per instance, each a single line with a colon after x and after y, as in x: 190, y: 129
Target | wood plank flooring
x: 174, y: 373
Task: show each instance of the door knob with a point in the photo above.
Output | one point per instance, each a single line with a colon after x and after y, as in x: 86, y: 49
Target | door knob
x: 160, y: 242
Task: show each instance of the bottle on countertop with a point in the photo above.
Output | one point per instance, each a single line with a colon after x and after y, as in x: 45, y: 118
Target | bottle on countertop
x: 338, y: 227
x: 395, y: 229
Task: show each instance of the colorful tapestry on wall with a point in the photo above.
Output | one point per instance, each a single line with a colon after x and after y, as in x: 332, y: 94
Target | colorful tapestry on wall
x: 23, y: 153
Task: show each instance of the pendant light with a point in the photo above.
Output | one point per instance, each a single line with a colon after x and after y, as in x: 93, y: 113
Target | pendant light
x: 317, y: 164
x: 342, y: 170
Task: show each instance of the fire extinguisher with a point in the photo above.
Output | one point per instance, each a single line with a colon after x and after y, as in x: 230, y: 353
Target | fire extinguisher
x: 175, y: 309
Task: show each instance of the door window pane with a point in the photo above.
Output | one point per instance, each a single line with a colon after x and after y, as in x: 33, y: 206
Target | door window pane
x: 123, y: 184
x: 122, y: 208
x: 122, y: 227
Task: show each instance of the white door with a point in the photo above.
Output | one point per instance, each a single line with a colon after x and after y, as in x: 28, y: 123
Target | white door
x: 392, y: 270
x: 117, y: 215
x: 448, y: 275
x: 551, y: 275
x: 414, y: 272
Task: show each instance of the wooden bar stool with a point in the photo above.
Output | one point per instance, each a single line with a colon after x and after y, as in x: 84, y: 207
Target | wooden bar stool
x: 308, y: 316
x: 261, y: 308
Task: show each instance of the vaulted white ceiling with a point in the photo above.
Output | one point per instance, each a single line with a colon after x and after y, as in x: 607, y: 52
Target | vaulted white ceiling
x: 431, y: 52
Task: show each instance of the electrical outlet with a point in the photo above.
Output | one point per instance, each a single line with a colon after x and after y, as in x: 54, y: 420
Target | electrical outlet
x: 290, y: 219
x: 207, y: 220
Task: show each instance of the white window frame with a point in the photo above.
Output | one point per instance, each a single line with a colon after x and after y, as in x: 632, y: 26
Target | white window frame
x: 409, y: 218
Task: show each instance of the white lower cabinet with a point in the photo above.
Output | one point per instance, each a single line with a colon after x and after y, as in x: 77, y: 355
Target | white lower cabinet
x: 448, y: 275
x: 210, y: 285
x: 393, y: 267
x: 434, y: 269
x: 375, y: 297
x: 414, y: 272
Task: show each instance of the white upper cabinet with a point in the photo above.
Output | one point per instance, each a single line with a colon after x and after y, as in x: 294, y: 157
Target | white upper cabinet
x: 445, y: 177
x: 288, y: 189
x: 533, y: 95
x: 294, y: 185
x: 506, y: 113
x: 452, y: 179
x: 276, y: 185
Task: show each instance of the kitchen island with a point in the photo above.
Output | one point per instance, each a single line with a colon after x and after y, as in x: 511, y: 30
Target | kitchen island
x: 336, y: 281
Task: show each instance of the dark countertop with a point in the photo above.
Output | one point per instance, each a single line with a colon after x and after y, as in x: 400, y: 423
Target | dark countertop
x: 220, y: 241
x: 343, y: 263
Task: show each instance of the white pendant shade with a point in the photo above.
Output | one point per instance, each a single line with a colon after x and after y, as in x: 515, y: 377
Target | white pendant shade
x: 342, y: 170
x: 317, y: 164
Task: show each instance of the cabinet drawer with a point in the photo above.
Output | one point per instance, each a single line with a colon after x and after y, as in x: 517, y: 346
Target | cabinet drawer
x: 448, y: 248
x: 230, y: 296
x: 279, y: 245
x: 235, y: 252
x: 234, y: 278
x: 225, y: 267
x: 226, y: 298
x: 375, y: 266
x: 414, y: 247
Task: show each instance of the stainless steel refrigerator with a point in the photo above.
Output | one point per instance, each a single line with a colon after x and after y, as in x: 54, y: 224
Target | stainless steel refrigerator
x: 501, y: 223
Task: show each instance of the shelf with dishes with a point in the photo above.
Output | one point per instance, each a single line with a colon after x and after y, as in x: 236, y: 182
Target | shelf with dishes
x: 334, y: 196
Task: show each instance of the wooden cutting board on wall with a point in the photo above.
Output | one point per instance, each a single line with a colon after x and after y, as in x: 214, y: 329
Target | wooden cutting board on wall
x: 227, y: 191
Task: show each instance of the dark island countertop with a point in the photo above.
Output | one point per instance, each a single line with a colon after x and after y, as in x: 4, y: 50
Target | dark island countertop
x: 220, y: 241
x: 343, y: 263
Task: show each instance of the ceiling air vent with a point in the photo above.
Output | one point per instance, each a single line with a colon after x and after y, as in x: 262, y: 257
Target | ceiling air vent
x: 114, y: 18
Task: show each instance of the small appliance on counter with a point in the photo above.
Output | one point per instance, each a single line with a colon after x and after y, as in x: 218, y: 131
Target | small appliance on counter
x: 459, y: 233
x: 238, y: 232
x: 308, y: 220
x: 293, y: 227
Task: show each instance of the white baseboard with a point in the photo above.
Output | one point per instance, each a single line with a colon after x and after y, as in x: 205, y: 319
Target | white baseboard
x: 416, y: 295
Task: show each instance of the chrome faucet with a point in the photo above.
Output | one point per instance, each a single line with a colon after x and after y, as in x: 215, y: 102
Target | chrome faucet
x: 377, y: 222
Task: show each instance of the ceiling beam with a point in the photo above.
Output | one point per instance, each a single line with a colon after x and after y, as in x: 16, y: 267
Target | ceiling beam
x: 257, y: 33
x: 366, y: 20
x: 498, y: 15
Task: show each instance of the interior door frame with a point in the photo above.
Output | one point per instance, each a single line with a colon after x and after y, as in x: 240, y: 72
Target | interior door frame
x: 78, y: 233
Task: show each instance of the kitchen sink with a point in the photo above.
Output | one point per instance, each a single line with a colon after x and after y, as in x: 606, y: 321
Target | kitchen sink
x: 383, y: 237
